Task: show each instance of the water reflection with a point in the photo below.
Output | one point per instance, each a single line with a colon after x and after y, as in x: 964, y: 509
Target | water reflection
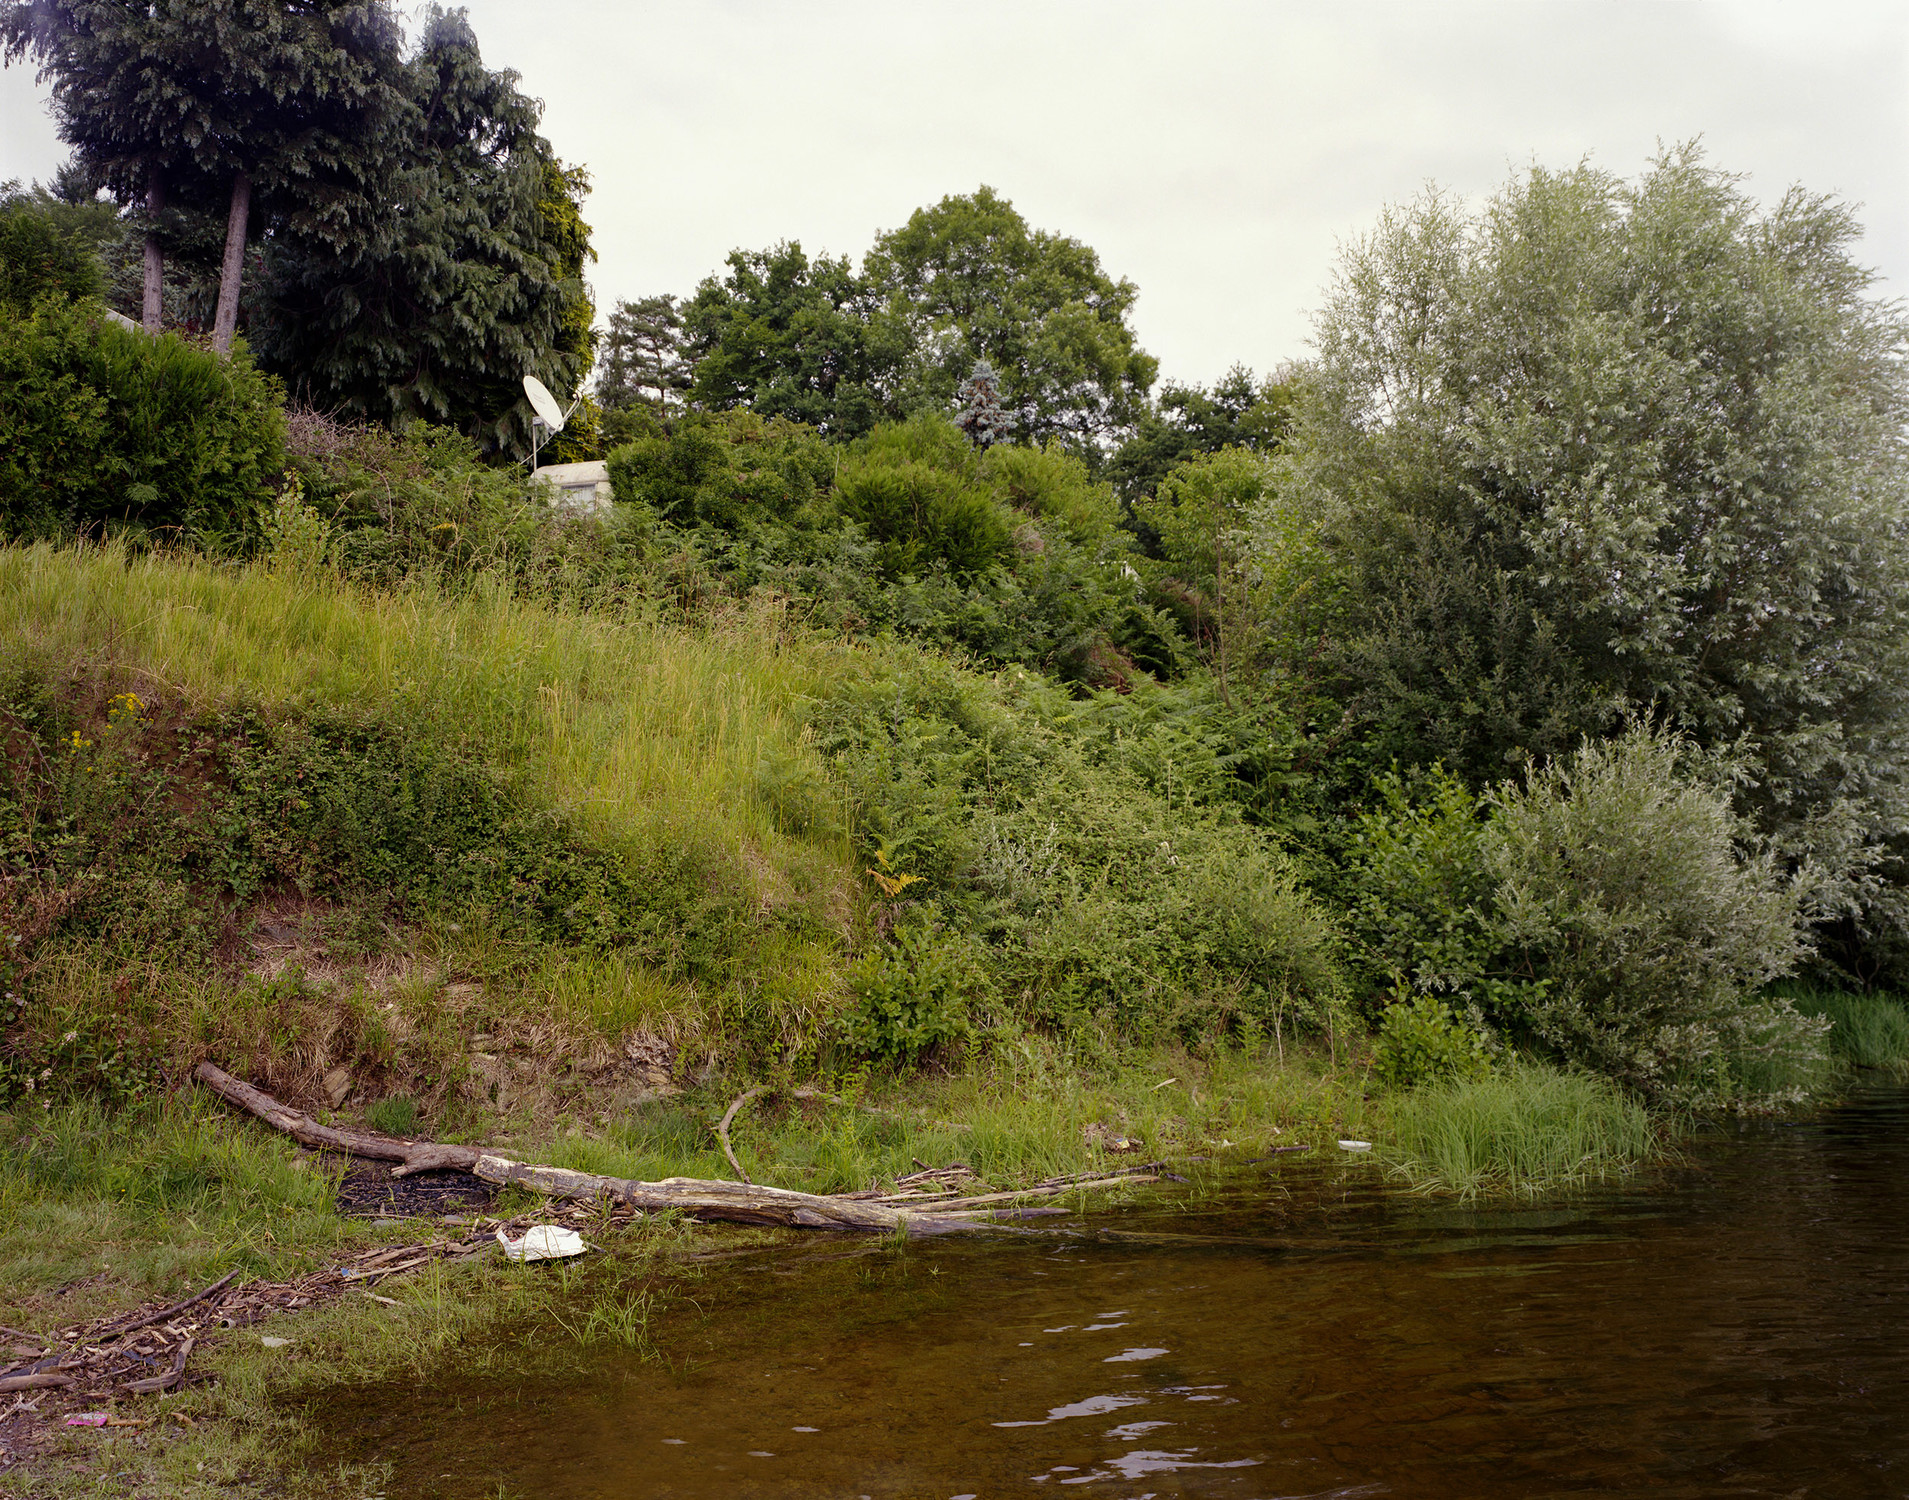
x: 1736, y: 1328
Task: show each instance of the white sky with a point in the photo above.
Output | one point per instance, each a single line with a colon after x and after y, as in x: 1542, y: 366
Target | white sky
x: 1213, y: 153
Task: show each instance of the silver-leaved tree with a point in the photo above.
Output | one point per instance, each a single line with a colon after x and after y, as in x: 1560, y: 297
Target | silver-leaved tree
x: 1610, y: 446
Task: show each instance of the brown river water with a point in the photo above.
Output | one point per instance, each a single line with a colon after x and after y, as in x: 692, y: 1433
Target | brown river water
x: 1735, y: 1326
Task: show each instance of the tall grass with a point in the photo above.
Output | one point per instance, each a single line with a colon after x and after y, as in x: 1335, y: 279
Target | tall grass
x: 1525, y: 1128
x: 1871, y: 1031
x: 627, y: 725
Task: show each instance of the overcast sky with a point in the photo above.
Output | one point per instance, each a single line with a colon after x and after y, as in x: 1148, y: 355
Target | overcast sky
x: 1214, y: 154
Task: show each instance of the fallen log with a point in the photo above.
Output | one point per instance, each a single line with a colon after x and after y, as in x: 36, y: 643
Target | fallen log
x: 412, y: 1156
x: 732, y: 1202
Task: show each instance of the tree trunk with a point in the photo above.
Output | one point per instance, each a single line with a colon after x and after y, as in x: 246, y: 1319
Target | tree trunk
x: 152, y: 312
x: 233, y: 268
x: 735, y: 1202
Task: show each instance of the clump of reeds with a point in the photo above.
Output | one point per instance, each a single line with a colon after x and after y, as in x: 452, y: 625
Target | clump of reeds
x: 1524, y: 1128
x: 1871, y: 1031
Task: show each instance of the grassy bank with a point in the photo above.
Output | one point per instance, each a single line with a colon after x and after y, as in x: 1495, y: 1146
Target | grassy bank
x: 103, y: 1209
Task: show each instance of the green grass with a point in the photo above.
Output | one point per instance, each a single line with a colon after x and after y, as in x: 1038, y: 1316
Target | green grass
x: 1525, y: 1128
x: 627, y: 725
x: 1870, y: 1031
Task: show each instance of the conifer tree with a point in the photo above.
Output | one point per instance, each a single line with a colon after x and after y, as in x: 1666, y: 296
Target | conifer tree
x: 981, y: 416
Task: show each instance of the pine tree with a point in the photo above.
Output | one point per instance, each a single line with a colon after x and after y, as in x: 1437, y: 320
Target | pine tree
x: 643, y: 356
x: 981, y: 415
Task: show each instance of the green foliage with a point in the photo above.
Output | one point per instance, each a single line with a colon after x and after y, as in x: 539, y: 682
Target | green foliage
x: 435, y: 314
x: 143, y: 831
x: 1420, y: 1041
x: 788, y: 337
x: 644, y: 362
x: 1607, y: 446
x: 101, y: 427
x: 963, y: 282
x: 967, y: 280
x: 912, y: 997
x: 1064, y: 836
x: 423, y: 505
x: 1415, y: 891
x: 724, y: 471
x: 1643, y: 900
x: 1871, y: 1031
x: 1239, y: 412
x: 1525, y: 1128
x: 36, y: 260
x: 923, y: 518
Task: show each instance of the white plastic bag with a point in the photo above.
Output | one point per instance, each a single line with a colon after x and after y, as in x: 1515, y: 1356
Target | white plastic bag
x: 543, y: 1242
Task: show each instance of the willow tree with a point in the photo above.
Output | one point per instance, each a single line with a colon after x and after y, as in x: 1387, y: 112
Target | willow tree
x: 1605, y: 446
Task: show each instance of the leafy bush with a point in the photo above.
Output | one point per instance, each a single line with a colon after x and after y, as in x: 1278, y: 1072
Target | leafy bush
x: 1060, y: 836
x: 1421, y: 1041
x: 1634, y: 890
x: 723, y: 471
x: 922, y: 517
x: 102, y: 427
x: 424, y: 504
x: 1417, y: 894
x: 912, y: 997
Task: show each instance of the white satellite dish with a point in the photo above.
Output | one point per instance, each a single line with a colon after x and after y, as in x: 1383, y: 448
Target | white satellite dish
x: 550, y: 416
x: 544, y: 404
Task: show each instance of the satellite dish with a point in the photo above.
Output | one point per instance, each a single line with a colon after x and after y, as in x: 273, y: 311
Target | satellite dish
x: 544, y: 404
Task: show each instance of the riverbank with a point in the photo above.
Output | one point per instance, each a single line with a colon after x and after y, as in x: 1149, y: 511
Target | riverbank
x: 110, y: 1211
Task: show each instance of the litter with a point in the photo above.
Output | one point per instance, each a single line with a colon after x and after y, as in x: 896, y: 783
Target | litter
x: 87, y: 1419
x: 1355, y: 1145
x: 274, y: 1343
x: 543, y: 1242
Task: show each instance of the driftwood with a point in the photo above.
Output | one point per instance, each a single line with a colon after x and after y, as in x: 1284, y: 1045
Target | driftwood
x: 722, y: 1126
x: 39, y: 1381
x: 412, y: 1156
x: 167, y: 1314
x: 734, y: 1202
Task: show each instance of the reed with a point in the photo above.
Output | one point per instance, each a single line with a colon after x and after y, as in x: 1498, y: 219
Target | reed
x: 1524, y: 1128
x: 1871, y: 1031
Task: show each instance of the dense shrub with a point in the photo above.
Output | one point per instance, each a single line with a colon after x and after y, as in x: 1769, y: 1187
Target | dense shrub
x: 1421, y: 1041
x: 1417, y: 897
x: 922, y: 518
x: 1102, y: 892
x: 723, y: 471
x: 105, y: 428
x: 36, y: 261
x: 912, y: 996
x: 1633, y: 890
x: 386, y: 506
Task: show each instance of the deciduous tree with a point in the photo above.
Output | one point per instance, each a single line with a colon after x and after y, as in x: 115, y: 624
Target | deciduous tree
x: 1606, y: 445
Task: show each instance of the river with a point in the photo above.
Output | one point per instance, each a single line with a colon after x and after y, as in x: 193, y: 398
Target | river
x: 1738, y: 1325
